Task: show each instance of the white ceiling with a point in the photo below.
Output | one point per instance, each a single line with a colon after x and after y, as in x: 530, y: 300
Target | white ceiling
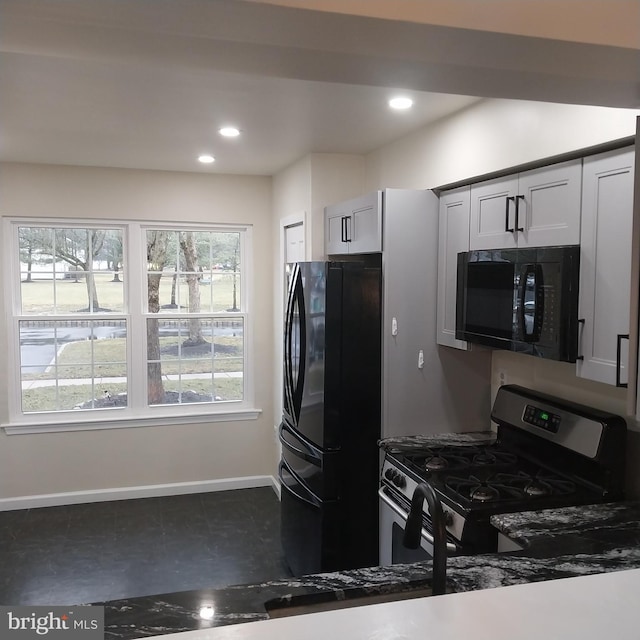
x: 146, y: 83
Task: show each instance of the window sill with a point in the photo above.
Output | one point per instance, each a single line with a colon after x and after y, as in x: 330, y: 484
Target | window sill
x: 130, y: 422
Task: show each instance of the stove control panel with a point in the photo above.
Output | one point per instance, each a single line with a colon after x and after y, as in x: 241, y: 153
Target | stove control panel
x: 541, y: 418
x: 397, y: 478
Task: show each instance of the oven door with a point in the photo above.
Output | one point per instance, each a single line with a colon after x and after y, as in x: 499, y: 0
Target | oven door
x: 393, y: 518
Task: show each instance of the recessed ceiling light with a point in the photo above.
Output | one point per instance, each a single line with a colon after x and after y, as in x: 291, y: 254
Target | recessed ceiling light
x: 205, y: 158
x: 229, y: 132
x: 401, y: 102
x: 207, y: 612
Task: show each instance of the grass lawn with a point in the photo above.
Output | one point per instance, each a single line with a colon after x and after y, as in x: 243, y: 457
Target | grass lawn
x: 70, y: 296
x: 66, y: 398
x: 109, y: 358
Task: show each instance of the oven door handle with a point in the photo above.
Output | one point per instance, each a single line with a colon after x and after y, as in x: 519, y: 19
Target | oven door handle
x: 399, y: 512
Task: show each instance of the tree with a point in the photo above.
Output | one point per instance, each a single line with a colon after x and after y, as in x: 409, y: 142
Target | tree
x: 79, y: 248
x: 156, y: 258
x: 112, y: 253
x: 226, y: 249
x: 190, y: 254
x: 31, y: 241
x: 235, y: 260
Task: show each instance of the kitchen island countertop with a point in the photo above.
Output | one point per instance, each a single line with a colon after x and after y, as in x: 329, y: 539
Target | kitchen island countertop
x: 556, y: 543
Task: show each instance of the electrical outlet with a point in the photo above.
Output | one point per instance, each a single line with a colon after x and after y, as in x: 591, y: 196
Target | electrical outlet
x: 502, y: 377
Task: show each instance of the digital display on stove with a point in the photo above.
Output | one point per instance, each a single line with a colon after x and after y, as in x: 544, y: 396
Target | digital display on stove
x: 541, y: 418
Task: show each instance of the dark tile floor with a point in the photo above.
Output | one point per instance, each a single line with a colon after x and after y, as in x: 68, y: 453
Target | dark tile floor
x: 108, y: 550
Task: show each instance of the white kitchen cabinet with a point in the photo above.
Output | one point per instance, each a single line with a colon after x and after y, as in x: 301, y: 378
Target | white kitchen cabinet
x: 412, y: 375
x: 605, y: 265
x: 453, y: 237
x: 354, y: 226
x: 535, y: 208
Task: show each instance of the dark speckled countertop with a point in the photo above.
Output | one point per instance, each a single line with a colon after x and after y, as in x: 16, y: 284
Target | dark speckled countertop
x: 556, y: 543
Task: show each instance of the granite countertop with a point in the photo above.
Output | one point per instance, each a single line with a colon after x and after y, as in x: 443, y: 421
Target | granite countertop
x: 556, y: 543
x: 409, y: 443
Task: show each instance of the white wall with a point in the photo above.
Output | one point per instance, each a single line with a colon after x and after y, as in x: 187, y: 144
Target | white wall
x: 492, y: 135
x: 335, y: 177
x: 94, y: 460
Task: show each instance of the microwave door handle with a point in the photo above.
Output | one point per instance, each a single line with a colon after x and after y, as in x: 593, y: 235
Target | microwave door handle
x: 538, y: 296
x: 519, y: 304
x: 526, y: 336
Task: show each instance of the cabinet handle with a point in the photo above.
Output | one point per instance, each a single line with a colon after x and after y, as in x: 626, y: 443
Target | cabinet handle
x: 343, y: 230
x: 620, y: 338
x: 347, y: 228
x: 506, y: 216
x: 518, y: 198
x: 581, y: 322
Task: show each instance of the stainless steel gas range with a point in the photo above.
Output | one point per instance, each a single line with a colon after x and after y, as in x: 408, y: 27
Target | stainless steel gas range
x: 547, y: 453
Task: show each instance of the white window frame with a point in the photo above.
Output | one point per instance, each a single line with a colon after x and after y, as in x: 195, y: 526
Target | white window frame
x: 138, y: 412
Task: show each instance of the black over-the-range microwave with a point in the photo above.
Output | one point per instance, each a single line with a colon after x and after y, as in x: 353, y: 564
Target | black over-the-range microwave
x: 524, y: 300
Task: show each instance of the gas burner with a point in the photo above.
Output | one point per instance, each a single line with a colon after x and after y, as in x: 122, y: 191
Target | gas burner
x: 435, y: 463
x: 484, y: 493
x: 492, y: 457
x: 458, y: 458
x: 484, y: 458
x: 537, y: 485
x: 488, y: 489
x: 537, y: 489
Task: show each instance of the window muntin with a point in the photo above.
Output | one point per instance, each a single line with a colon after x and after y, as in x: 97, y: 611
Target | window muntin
x: 82, y: 276
x: 72, y: 364
x: 51, y: 259
x: 211, y: 370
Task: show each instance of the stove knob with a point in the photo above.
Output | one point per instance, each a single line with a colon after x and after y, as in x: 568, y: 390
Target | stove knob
x: 389, y: 473
x: 400, y: 481
x: 448, y: 518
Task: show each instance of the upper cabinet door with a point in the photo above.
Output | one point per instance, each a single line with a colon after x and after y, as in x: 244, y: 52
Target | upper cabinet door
x: 354, y: 226
x: 334, y: 230
x: 548, y: 205
x: 493, y: 214
x: 538, y: 208
x: 605, y: 265
x: 364, y: 225
x: 453, y: 237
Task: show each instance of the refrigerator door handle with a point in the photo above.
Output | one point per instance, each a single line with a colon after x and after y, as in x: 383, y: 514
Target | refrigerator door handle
x: 297, y: 387
x: 312, y: 500
x: 288, y: 331
x: 311, y: 454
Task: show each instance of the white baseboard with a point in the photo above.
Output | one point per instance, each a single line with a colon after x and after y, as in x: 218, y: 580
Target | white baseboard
x: 276, y: 487
x: 127, y: 493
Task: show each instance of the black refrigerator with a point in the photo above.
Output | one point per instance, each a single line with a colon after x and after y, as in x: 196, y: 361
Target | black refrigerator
x: 331, y: 414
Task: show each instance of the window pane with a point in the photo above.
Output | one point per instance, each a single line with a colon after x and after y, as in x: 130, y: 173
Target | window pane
x: 193, y: 271
x: 195, y: 360
x: 70, y: 270
x: 68, y: 365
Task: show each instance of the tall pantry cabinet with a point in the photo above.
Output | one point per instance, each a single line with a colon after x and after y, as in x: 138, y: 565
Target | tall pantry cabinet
x: 417, y: 396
